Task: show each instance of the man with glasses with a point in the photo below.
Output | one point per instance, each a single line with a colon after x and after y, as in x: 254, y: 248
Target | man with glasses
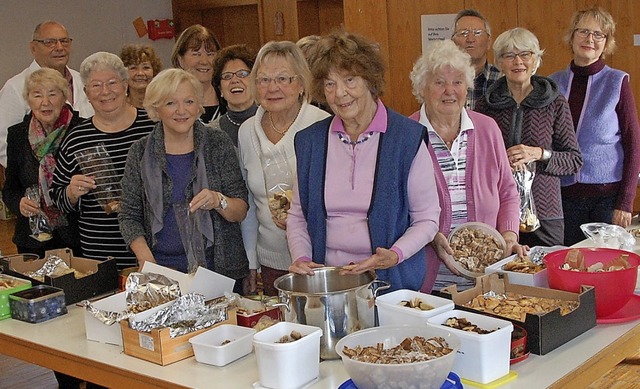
x: 50, y: 48
x: 472, y: 34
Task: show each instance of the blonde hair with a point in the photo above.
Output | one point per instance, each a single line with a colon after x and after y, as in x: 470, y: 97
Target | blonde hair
x: 45, y: 76
x: 606, y: 22
x: 165, y: 84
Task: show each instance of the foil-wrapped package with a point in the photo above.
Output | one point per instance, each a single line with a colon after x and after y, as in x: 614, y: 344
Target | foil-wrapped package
x: 148, y: 290
x: 187, y: 314
x: 54, y: 266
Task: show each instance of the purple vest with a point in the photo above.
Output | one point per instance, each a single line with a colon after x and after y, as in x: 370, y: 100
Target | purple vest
x: 598, y: 131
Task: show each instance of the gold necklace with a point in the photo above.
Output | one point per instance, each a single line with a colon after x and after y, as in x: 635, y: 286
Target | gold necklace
x: 273, y: 126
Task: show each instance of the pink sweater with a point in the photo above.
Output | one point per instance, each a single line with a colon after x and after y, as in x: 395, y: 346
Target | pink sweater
x: 492, y: 195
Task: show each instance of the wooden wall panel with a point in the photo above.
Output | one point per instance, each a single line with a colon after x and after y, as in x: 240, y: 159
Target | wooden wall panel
x: 308, y: 20
x: 271, y: 11
x: 330, y: 16
x: 239, y: 24
x: 627, y: 56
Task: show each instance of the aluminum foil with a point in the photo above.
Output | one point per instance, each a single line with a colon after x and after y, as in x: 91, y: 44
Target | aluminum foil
x: 107, y: 317
x: 187, y: 314
x: 53, y: 264
x: 148, y: 290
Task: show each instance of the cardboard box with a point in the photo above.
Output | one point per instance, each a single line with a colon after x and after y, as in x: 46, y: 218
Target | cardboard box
x: 250, y: 311
x: 104, y: 277
x: 158, y: 347
x: 546, y: 332
x: 205, y: 282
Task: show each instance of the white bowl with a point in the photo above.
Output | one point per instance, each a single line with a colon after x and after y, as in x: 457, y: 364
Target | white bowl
x: 423, y: 375
x: 390, y: 312
x: 208, y: 347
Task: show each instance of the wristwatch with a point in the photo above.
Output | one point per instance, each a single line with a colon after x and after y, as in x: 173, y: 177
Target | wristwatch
x: 223, y: 202
x: 546, y: 155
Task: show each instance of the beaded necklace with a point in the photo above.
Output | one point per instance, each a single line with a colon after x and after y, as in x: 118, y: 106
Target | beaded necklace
x: 232, y: 121
x: 348, y: 141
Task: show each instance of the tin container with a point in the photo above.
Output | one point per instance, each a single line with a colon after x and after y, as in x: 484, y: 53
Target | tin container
x: 38, y: 304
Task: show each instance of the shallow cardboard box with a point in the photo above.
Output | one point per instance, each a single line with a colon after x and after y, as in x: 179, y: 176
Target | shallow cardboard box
x: 250, y: 311
x: 545, y: 332
x: 205, y: 282
x: 104, y: 277
x: 158, y: 347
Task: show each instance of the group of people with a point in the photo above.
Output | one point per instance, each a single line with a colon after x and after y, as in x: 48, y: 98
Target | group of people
x: 180, y: 155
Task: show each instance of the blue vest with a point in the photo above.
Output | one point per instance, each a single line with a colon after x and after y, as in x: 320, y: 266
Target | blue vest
x: 598, y: 130
x: 388, y: 214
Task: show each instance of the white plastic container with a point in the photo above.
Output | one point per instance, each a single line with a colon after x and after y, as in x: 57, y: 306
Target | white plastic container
x: 391, y: 313
x: 287, y: 365
x: 208, y: 347
x: 481, y: 358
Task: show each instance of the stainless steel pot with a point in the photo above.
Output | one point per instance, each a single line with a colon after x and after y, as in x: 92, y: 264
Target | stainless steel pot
x: 339, y: 304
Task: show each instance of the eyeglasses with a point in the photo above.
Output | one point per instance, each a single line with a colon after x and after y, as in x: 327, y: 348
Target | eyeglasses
x: 98, y: 86
x: 511, y: 56
x: 51, y: 42
x: 584, y: 33
x: 264, y: 82
x: 465, y: 33
x: 243, y: 73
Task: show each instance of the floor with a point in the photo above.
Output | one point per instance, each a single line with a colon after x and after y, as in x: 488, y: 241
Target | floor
x: 16, y: 374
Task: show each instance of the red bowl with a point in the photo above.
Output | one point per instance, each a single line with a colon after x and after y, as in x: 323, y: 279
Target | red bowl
x: 613, y: 289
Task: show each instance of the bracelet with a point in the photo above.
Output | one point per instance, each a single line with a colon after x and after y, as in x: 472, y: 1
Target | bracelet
x: 546, y: 155
x: 222, y: 204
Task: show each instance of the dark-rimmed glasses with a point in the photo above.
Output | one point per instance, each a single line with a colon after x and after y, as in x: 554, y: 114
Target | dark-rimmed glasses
x: 243, y: 73
x: 51, y: 42
x: 511, y: 56
x: 465, y: 33
x: 584, y: 33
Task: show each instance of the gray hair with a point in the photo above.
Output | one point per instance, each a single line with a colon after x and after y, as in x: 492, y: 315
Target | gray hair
x: 47, y: 77
x: 102, y: 61
x: 474, y: 13
x: 439, y: 55
x: 517, y: 38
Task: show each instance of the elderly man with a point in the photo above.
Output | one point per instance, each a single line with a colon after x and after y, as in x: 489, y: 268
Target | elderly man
x: 50, y: 48
x: 472, y: 34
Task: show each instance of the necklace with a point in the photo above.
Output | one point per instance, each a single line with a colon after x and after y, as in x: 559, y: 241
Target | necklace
x: 232, y: 121
x: 348, y: 141
x: 273, y: 126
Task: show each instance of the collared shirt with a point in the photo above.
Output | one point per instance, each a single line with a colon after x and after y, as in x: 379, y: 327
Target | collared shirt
x: 481, y: 83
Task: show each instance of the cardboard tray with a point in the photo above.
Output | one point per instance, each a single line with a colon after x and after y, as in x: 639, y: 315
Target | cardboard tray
x: 546, y: 332
x: 158, y: 347
x: 103, y: 280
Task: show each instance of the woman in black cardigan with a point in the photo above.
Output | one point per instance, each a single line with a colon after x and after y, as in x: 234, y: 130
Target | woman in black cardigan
x: 32, y: 147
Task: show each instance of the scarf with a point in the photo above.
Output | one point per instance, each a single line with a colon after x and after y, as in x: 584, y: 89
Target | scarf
x: 45, y: 148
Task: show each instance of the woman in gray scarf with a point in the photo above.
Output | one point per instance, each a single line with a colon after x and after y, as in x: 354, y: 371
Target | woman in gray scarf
x: 183, y: 196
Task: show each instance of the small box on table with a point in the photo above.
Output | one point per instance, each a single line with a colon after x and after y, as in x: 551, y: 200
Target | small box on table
x: 8, y: 285
x: 38, y: 304
x: 250, y: 311
x: 101, y: 278
x: 546, y: 332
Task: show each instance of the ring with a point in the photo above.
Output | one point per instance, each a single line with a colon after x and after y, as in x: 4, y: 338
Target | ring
x: 79, y: 188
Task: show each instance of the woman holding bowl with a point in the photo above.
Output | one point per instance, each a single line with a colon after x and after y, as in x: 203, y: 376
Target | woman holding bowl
x: 472, y: 171
x: 31, y: 160
x: 115, y: 126
x: 536, y: 127
x: 183, y: 166
x: 365, y: 194
x: 282, y: 83
x: 604, y: 115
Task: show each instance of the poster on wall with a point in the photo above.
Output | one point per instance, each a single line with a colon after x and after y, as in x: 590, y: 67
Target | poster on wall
x: 436, y: 27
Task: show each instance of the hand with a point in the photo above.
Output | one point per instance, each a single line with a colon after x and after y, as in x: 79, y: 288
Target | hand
x: 28, y: 207
x: 206, y: 200
x: 513, y: 246
x: 520, y: 155
x: 79, y: 186
x: 444, y: 251
x: 382, y: 259
x: 621, y: 218
x: 304, y: 267
x: 250, y: 284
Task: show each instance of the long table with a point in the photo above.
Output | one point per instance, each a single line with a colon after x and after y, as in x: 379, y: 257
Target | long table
x: 60, y: 344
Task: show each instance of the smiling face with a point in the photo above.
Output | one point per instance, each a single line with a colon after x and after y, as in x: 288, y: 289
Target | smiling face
x: 179, y: 111
x: 476, y: 46
x: 236, y: 90
x: 517, y: 70
x: 140, y: 75
x: 106, y: 91
x: 274, y: 97
x: 349, y: 97
x: 46, y: 102
x: 199, y: 63
x: 586, y: 50
x: 55, y: 57
x: 445, y: 92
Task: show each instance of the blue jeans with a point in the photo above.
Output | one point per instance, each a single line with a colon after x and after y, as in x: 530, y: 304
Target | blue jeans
x: 583, y: 210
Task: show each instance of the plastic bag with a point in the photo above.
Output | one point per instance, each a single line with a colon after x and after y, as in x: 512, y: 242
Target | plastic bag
x: 609, y: 236
x: 278, y: 179
x: 39, y: 223
x: 190, y: 236
x: 529, y: 221
x: 95, y: 162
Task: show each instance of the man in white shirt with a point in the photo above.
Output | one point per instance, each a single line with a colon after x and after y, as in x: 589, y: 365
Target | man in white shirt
x: 50, y: 48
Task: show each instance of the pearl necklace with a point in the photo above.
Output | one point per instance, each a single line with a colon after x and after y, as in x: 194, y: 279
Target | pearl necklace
x: 348, y: 141
x: 232, y: 121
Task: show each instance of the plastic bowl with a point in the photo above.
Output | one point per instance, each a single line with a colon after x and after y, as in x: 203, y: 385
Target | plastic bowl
x: 613, y: 289
x: 487, y: 229
x: 426, y: 374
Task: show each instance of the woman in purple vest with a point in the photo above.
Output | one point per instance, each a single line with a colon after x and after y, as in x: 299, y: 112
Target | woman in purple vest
x: 366, y: 191
x: 606, y: 122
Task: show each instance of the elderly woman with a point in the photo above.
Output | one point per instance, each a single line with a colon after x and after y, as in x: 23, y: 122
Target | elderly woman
x: 32, y: 152
x: 142, y: 64
x: 194, y: 51
x: 115, y: 126
x: 536, y: 127
x: 473, y: 175
x: 365, y: 193
x: 282, y: 80
x: 183, y: 167
x: 606, y: 122
x: 232, y: 68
